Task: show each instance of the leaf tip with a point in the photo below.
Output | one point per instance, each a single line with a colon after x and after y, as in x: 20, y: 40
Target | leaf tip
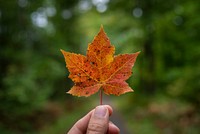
x: 137, y: 53
x: 102, y: 29
x: 62, y: 51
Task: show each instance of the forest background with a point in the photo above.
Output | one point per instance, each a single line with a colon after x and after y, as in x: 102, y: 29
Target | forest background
x: 166, y: 75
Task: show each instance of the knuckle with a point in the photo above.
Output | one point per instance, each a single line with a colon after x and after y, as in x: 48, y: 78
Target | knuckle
x: 95, y: 128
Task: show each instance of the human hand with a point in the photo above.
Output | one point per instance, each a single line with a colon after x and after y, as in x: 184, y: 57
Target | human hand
x: 95, y: 122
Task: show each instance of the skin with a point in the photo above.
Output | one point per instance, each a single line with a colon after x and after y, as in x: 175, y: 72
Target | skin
x: 95, y: 122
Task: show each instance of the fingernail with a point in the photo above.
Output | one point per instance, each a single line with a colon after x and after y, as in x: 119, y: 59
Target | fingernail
x: 100, y: 111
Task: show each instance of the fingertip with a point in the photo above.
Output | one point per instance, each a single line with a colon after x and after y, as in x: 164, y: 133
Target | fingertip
x: 109, y: 109
x: 113, y: 129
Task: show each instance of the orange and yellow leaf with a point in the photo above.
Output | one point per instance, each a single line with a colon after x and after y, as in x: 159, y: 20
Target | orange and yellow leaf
x: 99, y: 68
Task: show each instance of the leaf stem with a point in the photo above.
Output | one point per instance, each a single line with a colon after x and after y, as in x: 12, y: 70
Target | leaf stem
x: 101, y: 97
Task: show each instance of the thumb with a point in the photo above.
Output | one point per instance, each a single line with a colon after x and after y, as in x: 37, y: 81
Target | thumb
x: 99, y: 120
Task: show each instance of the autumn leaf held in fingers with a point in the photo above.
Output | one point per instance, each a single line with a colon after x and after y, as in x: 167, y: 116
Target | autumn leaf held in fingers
x: 99, y: 69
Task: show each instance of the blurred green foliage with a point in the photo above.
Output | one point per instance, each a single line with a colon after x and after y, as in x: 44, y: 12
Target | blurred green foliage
x: 166, y: 76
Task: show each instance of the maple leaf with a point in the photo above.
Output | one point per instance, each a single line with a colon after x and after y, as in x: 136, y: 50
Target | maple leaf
x: 99, y: 68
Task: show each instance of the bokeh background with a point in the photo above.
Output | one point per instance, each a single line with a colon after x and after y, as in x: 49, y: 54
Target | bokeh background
x: 166, y: 76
